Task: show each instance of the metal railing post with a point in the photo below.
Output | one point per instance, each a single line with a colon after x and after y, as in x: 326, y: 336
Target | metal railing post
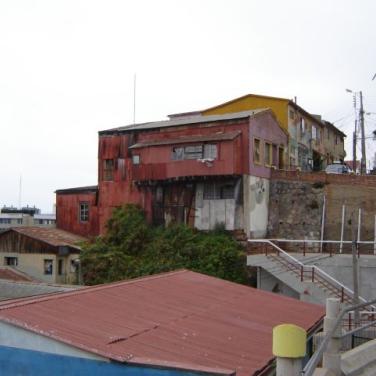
x: 333, y: 334
x: 301, y: 273
x: 342, y: 228
x: 313, y: 274
x: 342, y: 294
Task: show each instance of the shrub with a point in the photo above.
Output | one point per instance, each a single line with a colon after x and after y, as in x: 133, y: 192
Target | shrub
x: 131, y: 249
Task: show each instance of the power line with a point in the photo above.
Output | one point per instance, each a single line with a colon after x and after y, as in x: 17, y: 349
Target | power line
x: 343, y: 118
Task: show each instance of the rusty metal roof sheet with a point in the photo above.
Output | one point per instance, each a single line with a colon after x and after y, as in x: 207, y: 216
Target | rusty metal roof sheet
x: 90, y: 188
x: 12, y: 274
x: 222, y: 136
x: 185, y: 121
x: 51, y: 236
x: 181, y: 318
x: 21, y: 289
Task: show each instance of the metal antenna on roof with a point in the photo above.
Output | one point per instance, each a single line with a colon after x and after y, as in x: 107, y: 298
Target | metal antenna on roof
x: 134, y: 99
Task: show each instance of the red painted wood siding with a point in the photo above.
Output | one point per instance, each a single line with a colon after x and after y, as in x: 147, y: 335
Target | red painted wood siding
x: 67, y: 213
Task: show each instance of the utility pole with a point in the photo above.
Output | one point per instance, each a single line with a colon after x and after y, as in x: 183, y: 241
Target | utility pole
x: 354, y: 149
x: 354, y: 248
x: 363, y: 163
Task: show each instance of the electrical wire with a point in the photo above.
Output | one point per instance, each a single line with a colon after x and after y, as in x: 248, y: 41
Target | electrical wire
x: 342, y: 118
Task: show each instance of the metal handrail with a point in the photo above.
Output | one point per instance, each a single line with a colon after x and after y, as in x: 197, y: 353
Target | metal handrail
x: 316, y: 268
x: 310, y: 367
x: 318, y: 241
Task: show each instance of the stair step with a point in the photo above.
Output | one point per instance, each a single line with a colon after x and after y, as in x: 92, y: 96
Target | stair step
x: 292, y: 269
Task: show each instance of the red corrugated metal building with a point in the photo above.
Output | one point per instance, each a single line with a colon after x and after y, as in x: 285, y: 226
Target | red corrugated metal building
x: 168, y: 167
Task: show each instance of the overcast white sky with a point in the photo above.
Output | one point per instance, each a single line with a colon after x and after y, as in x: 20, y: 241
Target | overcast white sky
x: 66, y: 72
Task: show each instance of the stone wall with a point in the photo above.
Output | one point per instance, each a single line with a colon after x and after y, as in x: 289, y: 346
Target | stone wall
x: 296, y: 201
x: 295, y: 209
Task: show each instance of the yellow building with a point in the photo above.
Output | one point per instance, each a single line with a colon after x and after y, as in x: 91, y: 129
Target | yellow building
x: 307, y: 148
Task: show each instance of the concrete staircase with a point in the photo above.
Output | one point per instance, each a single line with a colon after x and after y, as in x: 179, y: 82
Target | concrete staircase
x: 299, y: 274
x: 307, y: 290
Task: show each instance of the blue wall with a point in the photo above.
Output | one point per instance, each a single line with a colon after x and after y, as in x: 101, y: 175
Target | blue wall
x: 20, y: 362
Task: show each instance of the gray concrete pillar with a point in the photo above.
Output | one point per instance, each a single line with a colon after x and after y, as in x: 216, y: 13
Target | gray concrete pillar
x: 332, y: 356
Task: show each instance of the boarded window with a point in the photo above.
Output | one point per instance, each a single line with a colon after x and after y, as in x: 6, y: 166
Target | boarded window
x: 84, y: 211
x: 193, y: 152
x: 210, y: 151
x: 108, y: 169
x: 256, y: 151
x: 268, y: 154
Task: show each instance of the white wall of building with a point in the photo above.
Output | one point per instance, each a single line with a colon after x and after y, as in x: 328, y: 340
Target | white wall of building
x: 14, y: 336
x: 209, y: 213
x: 256, y: 203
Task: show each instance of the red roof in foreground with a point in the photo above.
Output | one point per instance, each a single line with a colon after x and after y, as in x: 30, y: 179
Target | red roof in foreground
x: 180, y: 319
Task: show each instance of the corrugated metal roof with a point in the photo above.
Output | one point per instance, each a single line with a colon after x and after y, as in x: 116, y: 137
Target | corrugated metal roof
x: 19, y: 289
x: 222, y: 136
x: 179, y: 318
x: 52, y: 236
x: 90, y: 188
x: 185, y: 121
x: 14, y: 275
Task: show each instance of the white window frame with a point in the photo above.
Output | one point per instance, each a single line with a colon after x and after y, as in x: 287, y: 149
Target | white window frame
x: 83, y: 211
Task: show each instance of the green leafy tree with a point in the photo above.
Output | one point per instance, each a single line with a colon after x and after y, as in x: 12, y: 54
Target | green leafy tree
x: 131, y: 249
